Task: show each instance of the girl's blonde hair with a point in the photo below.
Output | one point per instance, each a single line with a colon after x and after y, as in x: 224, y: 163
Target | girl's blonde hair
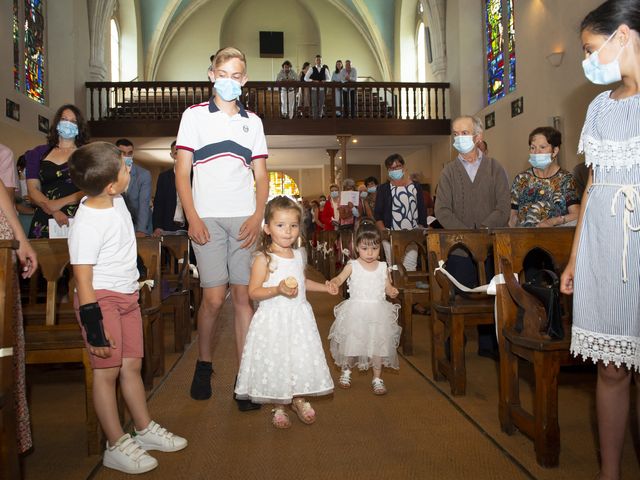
x: 277, y: 203
x: 227, y: 53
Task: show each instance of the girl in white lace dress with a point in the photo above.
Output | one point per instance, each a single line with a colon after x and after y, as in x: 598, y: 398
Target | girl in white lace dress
x: 604, y: 269
x: 366, y: 331
x: 283, y: 361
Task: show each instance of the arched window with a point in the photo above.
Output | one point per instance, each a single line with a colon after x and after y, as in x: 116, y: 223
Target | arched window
x: 29, y: 48
x: 501, y: 74
x: 115, y: 51
x: 422, y: 57
x: 282, y: 184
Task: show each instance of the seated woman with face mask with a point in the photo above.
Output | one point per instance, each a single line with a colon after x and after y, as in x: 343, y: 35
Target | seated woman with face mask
x: 545, y: 194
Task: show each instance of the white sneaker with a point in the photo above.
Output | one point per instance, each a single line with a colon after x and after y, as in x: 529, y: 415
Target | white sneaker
x: 127, y: 456
x: 155, y: 437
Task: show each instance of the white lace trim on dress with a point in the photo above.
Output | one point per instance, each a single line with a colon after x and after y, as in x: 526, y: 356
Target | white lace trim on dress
x: 616, y: 349
x: 609, y: 153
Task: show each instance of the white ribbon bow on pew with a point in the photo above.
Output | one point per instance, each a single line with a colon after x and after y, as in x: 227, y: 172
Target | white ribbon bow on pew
x: 147, y: 283
x: 346, y: 255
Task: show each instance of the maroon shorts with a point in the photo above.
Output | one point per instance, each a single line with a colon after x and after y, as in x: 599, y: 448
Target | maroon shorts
x: 122, y: 322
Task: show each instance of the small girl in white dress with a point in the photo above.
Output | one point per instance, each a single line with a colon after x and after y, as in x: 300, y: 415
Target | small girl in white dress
x: 366, y: 331
x: 283, y: 360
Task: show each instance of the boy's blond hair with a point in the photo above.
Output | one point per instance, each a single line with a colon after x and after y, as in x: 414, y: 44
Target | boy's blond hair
x: 227, y: 53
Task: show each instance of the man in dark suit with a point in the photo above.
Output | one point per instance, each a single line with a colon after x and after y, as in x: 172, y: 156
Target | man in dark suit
x: 138, y: 194
x: 167, y: 214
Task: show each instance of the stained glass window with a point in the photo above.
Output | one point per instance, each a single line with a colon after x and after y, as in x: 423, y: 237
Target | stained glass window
x: 282, y: 184
x: 16, y: 46
x: 34, y: 54
x: 512, y: 46
x: 501, y: 75
x: 495, y: 45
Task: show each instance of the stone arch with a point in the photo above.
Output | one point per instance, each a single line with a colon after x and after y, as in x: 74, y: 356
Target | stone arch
x: 100, y: 13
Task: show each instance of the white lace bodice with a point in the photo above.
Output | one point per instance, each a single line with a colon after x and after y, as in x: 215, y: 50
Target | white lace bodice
x: 281, y: 268
x: 367, y: 285
x: 611, y: 132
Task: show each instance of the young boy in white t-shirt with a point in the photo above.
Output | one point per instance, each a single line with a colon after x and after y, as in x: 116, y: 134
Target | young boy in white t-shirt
x: 102, y: 249
x: 225, y: 146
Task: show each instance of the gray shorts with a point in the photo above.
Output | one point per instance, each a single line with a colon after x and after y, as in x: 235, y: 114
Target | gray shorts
x: 221, y: 261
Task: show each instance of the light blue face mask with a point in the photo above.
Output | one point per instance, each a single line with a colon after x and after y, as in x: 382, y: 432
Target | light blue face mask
x: 67, y: 129
x: 463, y: 143
x: 540, y: 160
x: 335, y: 194
x: 364, y: 194
x: 128, y: 161
x: 602, y: 74
x: 372, y: 189
x: 227, y: 89
x: 396, y: 174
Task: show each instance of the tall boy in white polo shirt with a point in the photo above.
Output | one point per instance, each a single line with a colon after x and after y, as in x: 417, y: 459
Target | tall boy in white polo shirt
x: 226, y: 148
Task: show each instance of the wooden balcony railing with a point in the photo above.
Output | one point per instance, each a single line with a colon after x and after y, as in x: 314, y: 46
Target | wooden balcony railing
x: 285, y: 107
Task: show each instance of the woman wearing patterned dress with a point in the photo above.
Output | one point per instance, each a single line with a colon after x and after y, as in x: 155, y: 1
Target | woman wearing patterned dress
x: 48, y: 180
x: 10, y: 228
x: 545, y: 194
x: 400, y: 206
x: 604, y: 269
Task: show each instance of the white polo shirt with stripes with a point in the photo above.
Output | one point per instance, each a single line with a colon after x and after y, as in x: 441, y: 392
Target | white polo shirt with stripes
x: 223, y: 150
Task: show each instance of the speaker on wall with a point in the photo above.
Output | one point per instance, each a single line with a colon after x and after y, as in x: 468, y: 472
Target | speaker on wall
x: 271, y: 44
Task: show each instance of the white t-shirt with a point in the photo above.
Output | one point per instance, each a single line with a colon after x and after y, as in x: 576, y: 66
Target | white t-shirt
x: 105, y: 239
x: 223, y: 150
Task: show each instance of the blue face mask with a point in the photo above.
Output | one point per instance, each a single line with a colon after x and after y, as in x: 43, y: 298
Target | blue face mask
x: 602, y: 74
x: 364, y: 194
x: 396, y: 174
x: 335, y: 194
x: 372, y: 189
x: 227, y: 89
x: 540, y: 160
x: 128, y: 161
x: 464, y: 143
x: 67, y: 129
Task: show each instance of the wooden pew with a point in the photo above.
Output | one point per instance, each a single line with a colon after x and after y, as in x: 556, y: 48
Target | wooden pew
x: 451, y: 311
x: 410, y: 284
x: 151, y: 309
x: 47, y: 340
x: 327, y: 240
x: 176, y: 274
x: 9, y: 462
x: 527, y: 341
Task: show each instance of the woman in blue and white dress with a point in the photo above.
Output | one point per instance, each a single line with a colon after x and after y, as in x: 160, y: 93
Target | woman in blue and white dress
x: 604, y: 269
x: 400, y: 206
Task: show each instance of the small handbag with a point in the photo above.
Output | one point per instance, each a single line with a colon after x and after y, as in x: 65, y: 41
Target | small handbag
x: 545, y: 286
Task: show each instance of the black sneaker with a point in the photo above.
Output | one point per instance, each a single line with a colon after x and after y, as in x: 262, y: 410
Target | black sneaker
x: 201, y: 384
x: 244, y: 405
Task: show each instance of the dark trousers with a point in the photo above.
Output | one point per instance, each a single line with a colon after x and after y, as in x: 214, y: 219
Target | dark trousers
x: 465, y: 271
x: 349, y: 102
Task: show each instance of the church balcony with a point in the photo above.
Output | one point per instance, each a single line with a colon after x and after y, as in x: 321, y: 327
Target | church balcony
x: 148, y: 109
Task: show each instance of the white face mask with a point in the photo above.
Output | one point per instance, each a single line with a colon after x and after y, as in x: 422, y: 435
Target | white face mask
x: 463, y: 143
x: 602, y: 74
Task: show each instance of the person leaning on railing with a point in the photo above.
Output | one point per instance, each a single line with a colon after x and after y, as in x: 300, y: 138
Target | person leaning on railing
x: 287, y: 95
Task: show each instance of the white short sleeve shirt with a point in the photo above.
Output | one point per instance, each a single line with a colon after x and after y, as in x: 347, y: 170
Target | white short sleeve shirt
x: 223, y: 150
x: 105, y: 239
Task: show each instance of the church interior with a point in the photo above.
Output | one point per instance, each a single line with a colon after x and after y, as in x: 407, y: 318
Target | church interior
x: 133, y: 66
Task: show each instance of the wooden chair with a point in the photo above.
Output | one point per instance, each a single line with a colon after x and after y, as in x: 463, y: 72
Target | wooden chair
x: 410, y: 284
x: 452, y: 311
x: 9, y: 462
x: 151, y: 309
x: 47, y: 339
x: 526, y: 339
x: 176, y: 275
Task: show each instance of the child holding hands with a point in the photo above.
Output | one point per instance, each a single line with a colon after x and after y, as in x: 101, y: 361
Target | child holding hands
x: 365, y: 332
x: 283, y: 360
x: 102, y: 249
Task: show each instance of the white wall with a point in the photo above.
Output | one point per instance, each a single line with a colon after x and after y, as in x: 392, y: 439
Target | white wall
x: 308, y: 26
x: 66, y: 67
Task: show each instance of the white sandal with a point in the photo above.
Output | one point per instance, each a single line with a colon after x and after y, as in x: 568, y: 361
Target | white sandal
x: 345, y: 379
x: 378, y: 386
